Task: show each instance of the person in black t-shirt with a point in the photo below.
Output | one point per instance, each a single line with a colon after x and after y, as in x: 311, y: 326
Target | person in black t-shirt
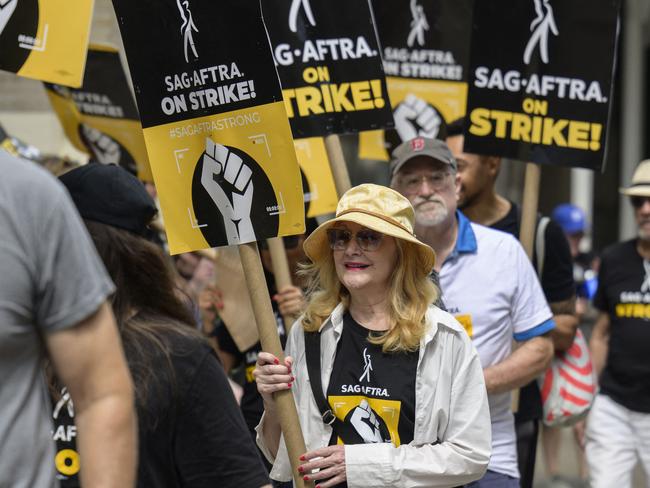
x: 389, y: 389
x: 618, y: 426
x: 480, y: 202
x: 191, y: 432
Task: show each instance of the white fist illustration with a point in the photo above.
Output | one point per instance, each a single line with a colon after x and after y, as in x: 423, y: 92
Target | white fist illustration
x: 415, y: 117
x: 235, y: 199
x: 7, y: 8
x: 365, y: 422
x: 103, y: 147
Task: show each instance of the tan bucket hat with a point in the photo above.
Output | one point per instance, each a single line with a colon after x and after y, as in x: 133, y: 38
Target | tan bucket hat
x: 640, y: 186
x: 378, y: 208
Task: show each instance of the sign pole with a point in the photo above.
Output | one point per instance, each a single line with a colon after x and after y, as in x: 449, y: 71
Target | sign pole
x: 527, y: 227
x: 529, y: 208
x: 337, y: 163
x: 268, y: 333
x: 281, y: 272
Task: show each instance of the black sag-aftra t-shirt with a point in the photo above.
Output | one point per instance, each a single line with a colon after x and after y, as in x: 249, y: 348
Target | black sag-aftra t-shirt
x: 370, y: 390
x: 624, y: 293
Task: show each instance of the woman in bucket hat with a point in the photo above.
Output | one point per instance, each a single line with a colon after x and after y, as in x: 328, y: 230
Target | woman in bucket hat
x: 389, y: 388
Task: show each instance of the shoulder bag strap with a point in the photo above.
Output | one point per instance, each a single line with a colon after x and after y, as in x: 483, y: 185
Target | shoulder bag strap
x: 312, y: 357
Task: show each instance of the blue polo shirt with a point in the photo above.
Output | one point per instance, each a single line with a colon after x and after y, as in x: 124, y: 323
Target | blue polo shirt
x: 490, y: 286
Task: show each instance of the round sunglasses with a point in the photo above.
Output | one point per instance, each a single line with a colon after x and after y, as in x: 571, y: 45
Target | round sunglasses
x: 366, y: 239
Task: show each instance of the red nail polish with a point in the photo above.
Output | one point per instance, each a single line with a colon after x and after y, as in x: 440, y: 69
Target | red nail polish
x: 289, y: 385
x: 276, y: 361
x: 301, y: 469
x: 305, y: 478
x: 302, y: 458
x: 317, y: 486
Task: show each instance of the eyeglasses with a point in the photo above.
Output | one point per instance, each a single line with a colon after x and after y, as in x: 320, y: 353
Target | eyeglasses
x: 637, y: 202
x: 435, y: 180
x: 367, y: 240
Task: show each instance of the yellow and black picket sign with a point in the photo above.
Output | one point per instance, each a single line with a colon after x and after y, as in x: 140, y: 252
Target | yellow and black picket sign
x: 214, y: 122
x: 542, y: 94
x: 45, y: 39
x: 219, y: 142
x: 329, y: 66
x: 227, y: 179
x: 425, y: 54
x: 100, y: 118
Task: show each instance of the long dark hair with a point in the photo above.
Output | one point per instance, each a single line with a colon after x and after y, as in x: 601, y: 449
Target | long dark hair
x: 147, y: 304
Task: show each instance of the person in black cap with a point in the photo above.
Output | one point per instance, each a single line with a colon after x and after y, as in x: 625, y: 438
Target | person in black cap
x: 191, y: 431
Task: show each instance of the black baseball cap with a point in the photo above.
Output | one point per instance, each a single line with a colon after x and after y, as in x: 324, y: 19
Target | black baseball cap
x: 110, y: 195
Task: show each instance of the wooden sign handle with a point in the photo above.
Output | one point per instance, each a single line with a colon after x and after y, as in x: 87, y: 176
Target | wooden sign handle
x: 337, y: 164
x: 529, y: 208
x: 270, y: 340
x: 527, y: 227
x: 281, y: 272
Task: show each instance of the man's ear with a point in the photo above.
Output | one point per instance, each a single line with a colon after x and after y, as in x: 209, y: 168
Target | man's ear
x: 493, y: 164
x: 457, y: 185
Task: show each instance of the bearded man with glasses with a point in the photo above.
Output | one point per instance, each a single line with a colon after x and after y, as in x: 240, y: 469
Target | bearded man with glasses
x: 618, y: 426
x: 487, y: 282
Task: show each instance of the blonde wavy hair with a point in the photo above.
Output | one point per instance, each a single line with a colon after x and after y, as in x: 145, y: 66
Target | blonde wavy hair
x: 411, y: 292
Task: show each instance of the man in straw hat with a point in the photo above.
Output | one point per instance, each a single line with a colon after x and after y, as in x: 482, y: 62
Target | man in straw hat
x: 618, y: 426
x: 389, y: 389
x: 488, y: 283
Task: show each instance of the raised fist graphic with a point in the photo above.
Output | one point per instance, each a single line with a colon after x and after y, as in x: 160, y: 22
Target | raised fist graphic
x: 365, y: 422
x: 7, y: 8
x: 414, y: 117
x: 228, y: 181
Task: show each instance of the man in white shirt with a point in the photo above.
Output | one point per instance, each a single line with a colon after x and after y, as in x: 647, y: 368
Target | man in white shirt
x: 488, y: 283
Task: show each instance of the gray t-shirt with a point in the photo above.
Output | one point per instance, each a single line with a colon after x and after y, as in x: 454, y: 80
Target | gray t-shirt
x: 50, y: 279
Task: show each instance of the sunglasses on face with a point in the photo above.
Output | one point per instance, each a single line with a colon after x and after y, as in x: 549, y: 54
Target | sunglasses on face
x: 366, y: 239
x: 637, y: 202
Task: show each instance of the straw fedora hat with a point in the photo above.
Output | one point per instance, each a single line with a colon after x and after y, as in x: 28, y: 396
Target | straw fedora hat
x: 378, y: 208
x: 640, y: 186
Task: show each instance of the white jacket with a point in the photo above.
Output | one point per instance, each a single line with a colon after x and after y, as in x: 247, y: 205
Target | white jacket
x: 450, y: 403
